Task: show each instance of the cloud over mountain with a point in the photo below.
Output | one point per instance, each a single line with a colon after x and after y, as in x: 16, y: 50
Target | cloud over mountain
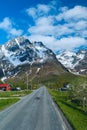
x: 59, y: 28
x: 7, y: 25
x: 59, y: 25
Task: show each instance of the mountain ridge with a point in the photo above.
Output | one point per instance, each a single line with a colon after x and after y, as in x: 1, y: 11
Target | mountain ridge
x: 19, y: 52
x: 75, y: 62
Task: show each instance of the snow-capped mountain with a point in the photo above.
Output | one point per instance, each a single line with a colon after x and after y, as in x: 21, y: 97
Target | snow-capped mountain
x: 21, y: 51
x: 67, y: 58
x: 74, y: 62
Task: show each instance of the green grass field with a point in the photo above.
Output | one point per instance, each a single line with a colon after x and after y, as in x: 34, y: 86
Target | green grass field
x: 14, y: 93
x: 10, y: 97
x: 4, y: 103
x: 74, y: 113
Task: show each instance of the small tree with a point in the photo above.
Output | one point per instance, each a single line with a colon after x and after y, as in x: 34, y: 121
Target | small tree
x: 78, y: 94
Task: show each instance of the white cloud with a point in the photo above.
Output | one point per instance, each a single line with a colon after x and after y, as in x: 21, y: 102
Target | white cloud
x: 50, y: 42
x: 31, y: 12
x: 56, y: 31
x: 81, y: 25
x: 65, y: 29
x: 41, y: 30
x: 59, y: 44
x: 71, y: 42
x: 15, y: 32
x: 7, y: 25
x: 42, y: 21
x: 43, y: 24
x: 63, y: 9
x: 38, y: 11
x: 84, y: 34
x: 43, y: 8
x: 76, y: 13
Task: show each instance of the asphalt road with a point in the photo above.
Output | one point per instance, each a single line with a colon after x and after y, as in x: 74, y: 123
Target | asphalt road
x: 36, y: 111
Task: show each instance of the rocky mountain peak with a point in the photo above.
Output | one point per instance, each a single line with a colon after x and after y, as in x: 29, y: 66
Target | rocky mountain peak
x: 16, y: 44
x: 21, y: 51
x: 75, y: 62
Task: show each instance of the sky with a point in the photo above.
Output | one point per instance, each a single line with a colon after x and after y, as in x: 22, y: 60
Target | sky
x: 59, y: 24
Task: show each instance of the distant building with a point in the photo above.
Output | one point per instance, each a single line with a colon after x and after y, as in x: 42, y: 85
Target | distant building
x: 5, y: 87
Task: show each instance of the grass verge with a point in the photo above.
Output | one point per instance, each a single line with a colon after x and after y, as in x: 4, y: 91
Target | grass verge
x: 14, y: 93
x: 4, y: 103
x: 10, y: 97
x: 74, y: 113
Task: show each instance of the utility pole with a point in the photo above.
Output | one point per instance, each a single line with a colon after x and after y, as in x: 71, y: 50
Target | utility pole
x: 84, y: 104
x: 27, y: 76
x: 27, y: 79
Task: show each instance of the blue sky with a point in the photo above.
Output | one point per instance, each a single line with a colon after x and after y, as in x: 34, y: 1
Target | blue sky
x: 59, y: 24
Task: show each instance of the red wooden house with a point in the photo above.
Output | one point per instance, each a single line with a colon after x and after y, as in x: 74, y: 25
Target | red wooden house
x: 5, y: 87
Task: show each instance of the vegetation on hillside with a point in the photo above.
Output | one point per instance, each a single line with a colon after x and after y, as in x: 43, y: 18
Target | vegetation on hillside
x: 78, y: 93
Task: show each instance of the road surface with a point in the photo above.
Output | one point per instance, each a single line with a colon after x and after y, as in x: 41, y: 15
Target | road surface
x: 36, y: 111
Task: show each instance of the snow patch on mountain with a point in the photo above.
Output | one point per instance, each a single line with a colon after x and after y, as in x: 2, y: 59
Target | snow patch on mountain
x: 21, y: 50
x: 67, y: 59
x: 71, y: 60
x: 11, y: 56
x: 37, y: 71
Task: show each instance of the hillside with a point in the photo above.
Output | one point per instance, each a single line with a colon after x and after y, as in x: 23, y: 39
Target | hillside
x: 19, y: 57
